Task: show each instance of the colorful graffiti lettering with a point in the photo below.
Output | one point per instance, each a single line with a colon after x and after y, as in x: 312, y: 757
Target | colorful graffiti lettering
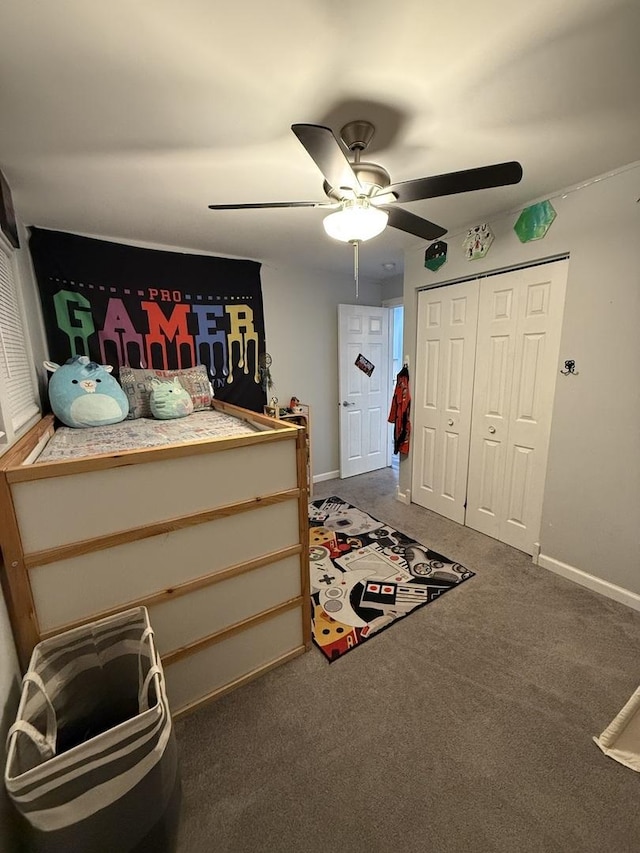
x: 219, y: 336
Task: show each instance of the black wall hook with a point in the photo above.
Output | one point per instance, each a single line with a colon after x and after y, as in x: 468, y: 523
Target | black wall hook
x: 570, y: 367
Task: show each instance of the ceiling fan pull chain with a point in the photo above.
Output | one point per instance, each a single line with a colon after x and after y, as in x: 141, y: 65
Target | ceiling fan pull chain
x: 356, y: 263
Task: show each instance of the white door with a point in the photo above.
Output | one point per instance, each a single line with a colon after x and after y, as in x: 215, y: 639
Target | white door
x: 363, y: 345
x: 441, y: 407
x: 519, y: 324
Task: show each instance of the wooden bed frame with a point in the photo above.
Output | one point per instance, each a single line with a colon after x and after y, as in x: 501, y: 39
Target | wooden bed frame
x: 211, y: 536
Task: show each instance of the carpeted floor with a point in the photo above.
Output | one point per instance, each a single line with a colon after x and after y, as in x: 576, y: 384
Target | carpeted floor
x: 465, y: 729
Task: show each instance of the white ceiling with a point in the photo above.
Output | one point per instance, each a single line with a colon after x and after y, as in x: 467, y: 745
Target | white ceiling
x: 126, y: 119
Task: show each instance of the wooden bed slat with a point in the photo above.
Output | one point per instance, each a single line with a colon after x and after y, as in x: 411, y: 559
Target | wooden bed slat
x: 238, y: 682
x: 135, y: 534
x: 182, y: 589
x: 219, y: 636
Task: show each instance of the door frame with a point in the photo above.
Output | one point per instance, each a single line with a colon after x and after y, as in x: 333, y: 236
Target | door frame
x: 383, y: 374
x: 395, y: 302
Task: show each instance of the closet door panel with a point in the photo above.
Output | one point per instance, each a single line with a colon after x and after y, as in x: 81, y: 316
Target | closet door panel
x: 519, y: 324
x: 495, y: 351
x: 541, y: 301
x: 441, y: 407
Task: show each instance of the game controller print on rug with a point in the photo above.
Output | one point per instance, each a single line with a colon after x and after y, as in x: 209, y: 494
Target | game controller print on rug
x: 365, y: 575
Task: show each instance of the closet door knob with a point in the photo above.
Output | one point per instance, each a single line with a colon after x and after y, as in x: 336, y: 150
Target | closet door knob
x: 345, y: 403
x: 450, y: 421
x: 492, y: 429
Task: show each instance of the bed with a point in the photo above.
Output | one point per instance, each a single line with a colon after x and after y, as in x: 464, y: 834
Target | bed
x: 209, y: 533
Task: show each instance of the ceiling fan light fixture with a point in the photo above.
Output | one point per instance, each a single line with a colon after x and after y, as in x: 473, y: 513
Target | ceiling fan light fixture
x: 355, y: 221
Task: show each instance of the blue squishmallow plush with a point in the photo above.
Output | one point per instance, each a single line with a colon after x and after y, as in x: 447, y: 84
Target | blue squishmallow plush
x: 84, y: 394
x: 169, y: 399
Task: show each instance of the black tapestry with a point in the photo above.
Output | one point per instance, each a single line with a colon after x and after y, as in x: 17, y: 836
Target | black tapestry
x: 123, y: 305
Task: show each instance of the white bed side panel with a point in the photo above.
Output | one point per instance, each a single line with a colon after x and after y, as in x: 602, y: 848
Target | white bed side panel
x: 60, y: 510
x: 79, y: 587
x: 205, y: 611
x: 195, y: 676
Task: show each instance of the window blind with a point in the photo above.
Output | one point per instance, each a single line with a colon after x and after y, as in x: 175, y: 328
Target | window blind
x: 19, y: 401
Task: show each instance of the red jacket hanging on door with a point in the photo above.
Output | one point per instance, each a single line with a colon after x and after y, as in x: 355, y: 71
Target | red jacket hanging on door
x: 399, y: 414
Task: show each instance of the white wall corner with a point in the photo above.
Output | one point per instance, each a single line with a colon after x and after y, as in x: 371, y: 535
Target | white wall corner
x: 610, y: 590
x: 403, y: 497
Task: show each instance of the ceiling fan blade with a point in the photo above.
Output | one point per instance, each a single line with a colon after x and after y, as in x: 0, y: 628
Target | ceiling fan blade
x: 328, y: 155
x: 405, y: 221
x: 260, y: 205
x: 450, y: 183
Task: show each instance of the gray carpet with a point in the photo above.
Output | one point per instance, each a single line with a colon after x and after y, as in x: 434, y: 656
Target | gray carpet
x: 465, y: 727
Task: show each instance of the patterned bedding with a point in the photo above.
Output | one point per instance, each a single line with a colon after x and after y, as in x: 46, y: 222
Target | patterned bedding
x: 68, y: 443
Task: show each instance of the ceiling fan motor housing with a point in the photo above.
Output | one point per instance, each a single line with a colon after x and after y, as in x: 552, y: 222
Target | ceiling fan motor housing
x: 372, y: 177
x: 357, y: 135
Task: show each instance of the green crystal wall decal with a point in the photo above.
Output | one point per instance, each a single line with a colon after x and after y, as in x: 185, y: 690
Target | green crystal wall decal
x: 534, y: 222
x: 478, y: 242
x: 435, y: 255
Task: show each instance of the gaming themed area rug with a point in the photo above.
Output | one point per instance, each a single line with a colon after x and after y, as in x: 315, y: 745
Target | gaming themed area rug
x: 365, y: 576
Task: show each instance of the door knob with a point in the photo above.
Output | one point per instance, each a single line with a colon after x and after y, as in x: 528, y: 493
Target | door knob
x: 345, y: 403
x: 492, y: 429
x: 450, y: 421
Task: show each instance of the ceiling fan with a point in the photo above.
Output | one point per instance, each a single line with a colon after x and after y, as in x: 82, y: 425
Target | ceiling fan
x: 362, y: 195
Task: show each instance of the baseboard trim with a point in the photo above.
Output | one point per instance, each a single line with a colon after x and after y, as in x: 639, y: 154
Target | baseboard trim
x: 610, y: 590
x: 329, y: 475
x: 403, y: 497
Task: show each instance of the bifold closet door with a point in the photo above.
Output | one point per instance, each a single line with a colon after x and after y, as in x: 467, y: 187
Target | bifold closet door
x: 518, y: 341
x: 446, y: 340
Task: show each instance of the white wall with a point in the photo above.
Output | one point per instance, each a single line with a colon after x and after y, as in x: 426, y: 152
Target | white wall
x: 591, y: 510
x: 301, y: 321
x: 393, y: 288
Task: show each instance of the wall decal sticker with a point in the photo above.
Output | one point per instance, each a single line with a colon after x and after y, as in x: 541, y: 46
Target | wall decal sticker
x: 478, y: 242
x: 435, y: 256
x: 534, y: 221
x: 364, y: 364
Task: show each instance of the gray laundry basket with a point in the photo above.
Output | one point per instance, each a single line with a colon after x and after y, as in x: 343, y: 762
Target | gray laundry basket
x: 91, y: 759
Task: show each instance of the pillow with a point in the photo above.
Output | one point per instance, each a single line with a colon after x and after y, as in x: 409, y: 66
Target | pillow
x: 136, y: 384
x: 169, y: 399
x: 84, y: 394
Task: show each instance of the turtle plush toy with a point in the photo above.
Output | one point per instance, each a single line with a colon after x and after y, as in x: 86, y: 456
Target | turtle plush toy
x: 169, y: 399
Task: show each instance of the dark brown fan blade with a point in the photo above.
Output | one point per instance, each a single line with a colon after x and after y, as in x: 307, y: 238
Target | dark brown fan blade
x: 328, y: 155
x: 405, y: 221
x: 260, y: 205
x: 450, y: 183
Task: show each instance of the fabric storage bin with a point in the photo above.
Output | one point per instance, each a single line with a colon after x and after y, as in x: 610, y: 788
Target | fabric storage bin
x: 92, y: 759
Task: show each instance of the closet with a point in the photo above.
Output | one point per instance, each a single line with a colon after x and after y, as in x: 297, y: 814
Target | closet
x: 486, y: 366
